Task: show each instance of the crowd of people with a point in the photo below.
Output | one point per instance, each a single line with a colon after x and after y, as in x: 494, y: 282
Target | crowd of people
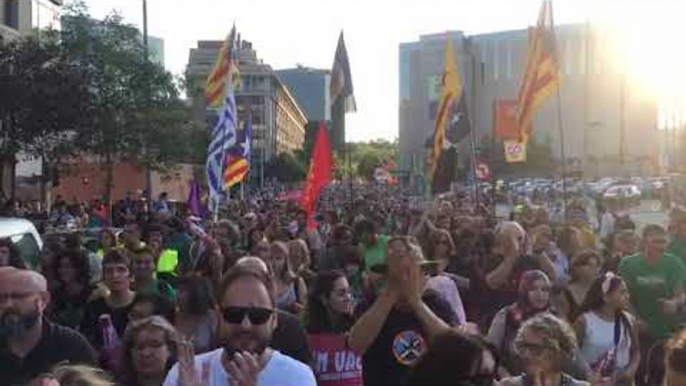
x: 385, y: 289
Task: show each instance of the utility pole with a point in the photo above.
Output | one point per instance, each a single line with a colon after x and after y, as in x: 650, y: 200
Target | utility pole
x: 622, y: 136
x: 586, y: 96
x: 148, y: 172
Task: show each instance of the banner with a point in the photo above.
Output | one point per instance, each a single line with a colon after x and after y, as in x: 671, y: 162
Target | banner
x: 515, y: 151
x: 335, y: 364
x: 506, y: 119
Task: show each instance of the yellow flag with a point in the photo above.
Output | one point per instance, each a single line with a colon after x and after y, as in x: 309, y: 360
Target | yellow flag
x: 451, y: 90
x: 515, y: 151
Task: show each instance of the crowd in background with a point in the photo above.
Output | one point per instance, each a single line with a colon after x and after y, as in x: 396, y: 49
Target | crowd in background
x: 385, y: 289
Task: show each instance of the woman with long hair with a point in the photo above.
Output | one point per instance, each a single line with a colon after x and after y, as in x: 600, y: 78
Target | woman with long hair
x: 150, y: 350
x: 71, y: 289
x: 545, y: 344
x: 299, y: 255
x: 10, y: 255
x: 533, y: 299
x: 291, y: 291
x: 584, y: 268
x: 329, y: 318
x: 442, y: 250
x: 195, y: 317
x: 607, y: 333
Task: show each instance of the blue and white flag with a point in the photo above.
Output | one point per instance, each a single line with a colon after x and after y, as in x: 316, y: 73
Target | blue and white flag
x: 223, y: 138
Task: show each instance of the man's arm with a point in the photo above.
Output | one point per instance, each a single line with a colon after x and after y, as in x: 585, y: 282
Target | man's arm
x: 369, y: 325
x: 499, y: 276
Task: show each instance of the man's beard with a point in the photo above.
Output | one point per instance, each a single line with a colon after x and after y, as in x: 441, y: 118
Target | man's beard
x: 258, y: 344
x: 16, y: 325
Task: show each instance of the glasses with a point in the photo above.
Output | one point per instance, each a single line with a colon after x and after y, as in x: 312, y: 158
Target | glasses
x: 531, y: 348
x: 442, y: 242
x: 256, y: 315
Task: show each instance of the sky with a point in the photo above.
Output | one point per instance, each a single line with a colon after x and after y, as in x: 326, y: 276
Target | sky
x: 290, y: 32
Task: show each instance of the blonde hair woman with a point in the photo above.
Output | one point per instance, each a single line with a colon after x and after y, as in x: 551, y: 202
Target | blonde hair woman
x: 291, y: 290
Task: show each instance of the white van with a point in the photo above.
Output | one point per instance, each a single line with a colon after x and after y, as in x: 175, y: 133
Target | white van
x: 25, y: 237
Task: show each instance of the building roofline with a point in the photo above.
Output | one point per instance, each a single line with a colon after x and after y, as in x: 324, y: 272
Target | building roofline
x: 289, y: 95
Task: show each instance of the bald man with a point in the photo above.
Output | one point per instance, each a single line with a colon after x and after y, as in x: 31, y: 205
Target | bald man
x: 29, y: 343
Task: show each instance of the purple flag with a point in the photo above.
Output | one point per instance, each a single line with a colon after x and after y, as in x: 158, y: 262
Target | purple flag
x: 194, y: 204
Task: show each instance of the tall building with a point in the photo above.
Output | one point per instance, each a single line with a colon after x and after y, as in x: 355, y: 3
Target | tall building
x: 310, y: 87
x: 20, y: 17
x: 592, y: 93
x: 278, y: 122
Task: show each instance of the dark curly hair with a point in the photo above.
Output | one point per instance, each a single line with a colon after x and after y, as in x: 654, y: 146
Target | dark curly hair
x: 15, y: 256
x: 78, y: 260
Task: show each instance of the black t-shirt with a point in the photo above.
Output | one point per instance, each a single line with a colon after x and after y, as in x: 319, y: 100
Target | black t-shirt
x: 58, y: 344
x: 400, y: 343
x: 290, y: 338
x: 493, y: 300
x: 90, y: 325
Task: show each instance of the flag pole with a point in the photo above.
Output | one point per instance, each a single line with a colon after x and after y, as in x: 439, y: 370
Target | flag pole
x: 477, y: 194
x: 560, y: 126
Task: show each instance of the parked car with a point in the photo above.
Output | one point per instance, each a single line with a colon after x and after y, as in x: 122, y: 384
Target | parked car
x: 25, y: 237
x: 626, y: 194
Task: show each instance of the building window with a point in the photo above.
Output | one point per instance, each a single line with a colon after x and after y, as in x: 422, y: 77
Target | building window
x: 496, y: 63
x: 12, y: 13
x: 484, y: 51
x: 598, y: 54
x: 582, y: 55
x: 508, y: 63
x: 568, y: 55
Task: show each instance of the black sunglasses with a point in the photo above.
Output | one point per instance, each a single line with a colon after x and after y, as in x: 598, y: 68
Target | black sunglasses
x: 256, y: 315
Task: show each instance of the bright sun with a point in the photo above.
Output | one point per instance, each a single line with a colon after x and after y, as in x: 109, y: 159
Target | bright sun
x: 650, y: 36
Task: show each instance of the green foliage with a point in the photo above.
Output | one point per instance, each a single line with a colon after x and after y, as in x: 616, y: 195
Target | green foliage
x: 286, y: 168
x: 135, y: 112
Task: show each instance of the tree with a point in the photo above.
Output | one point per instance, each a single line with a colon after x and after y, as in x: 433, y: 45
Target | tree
x: 135, y: 112
x: 367, y: 165
x: 286, y: 168
x: 44, y: 99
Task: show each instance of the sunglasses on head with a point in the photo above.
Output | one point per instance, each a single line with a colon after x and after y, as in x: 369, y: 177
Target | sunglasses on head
x: 256, y: 315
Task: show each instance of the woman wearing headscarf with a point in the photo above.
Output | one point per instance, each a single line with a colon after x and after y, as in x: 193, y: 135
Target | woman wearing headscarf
x: 533, y: 299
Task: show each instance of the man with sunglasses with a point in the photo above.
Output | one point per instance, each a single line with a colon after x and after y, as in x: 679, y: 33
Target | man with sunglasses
x: 30, y: 344
x: 248, y: 320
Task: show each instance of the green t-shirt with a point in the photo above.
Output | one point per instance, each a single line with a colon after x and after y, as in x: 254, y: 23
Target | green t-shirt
x: 375, y: 254
x: 648, y: 283
x: 678, y: 248
x: 159, y: 288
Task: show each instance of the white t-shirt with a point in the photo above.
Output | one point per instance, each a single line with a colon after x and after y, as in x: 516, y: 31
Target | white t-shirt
x: 281, y: 370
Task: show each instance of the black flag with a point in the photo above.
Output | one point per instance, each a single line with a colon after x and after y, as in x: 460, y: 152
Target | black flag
x: 446, y: 167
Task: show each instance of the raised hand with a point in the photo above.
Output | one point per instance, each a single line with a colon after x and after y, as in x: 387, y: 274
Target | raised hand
x: 245, y: 367
x: 188, y: 372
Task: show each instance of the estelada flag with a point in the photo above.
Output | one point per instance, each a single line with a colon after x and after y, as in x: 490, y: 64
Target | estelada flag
x: 451, y: 125
x: 227, y: 62
x: 542, y: 74
x: 515, y: 151
x: 506, y: 119
x: 319, y: 175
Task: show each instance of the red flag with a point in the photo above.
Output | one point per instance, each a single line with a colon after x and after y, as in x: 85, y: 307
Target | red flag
x: 320, y: 174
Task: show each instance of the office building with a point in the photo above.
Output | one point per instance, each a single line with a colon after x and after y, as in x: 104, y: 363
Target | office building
x: 606, y: 118
x: 278, y: 121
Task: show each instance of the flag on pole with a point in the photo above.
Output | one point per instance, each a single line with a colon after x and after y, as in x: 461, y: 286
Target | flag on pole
x: 542, y: 75
x: 224, y: 132
x: 451, y: 127
x: 193, y: 202
x: 226, y: 67
x: 238, y: 158
x: 319, y: 175
x: 341, y: 80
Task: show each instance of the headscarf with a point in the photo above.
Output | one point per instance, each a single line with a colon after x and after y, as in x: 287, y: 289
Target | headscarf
x: 523, y: 309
